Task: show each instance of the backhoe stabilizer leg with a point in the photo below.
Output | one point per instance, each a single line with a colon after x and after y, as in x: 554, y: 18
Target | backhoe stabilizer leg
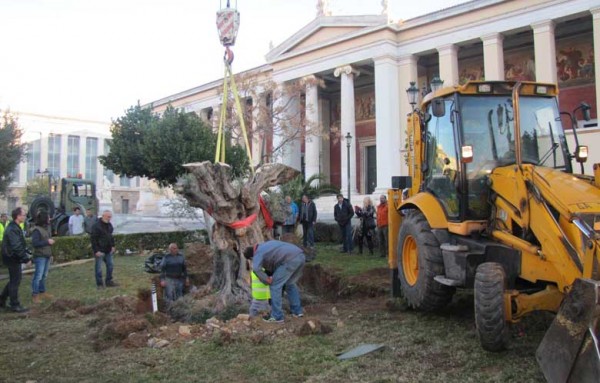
x: 569, y: 351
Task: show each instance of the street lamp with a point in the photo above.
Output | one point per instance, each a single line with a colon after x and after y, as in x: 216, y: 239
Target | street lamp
x: 348, y: 144
x: 436, y: 84
x: 413, y: 93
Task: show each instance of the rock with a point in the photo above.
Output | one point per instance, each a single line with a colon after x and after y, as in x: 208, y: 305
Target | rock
x: 184, y: 331
x: 163, y: 328
x: 247, y: 323
x: 280, y: 332
x: 340, y: 323
x: 243, y: 317
x: 213, y: 320
x: 311, y: 324
x: 334, y: 311
x: 213, y: 325
x: 161, y: 343
x: 157, y: 343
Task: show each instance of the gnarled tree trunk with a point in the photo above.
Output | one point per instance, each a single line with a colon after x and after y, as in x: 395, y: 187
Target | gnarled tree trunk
x: 214, y: 191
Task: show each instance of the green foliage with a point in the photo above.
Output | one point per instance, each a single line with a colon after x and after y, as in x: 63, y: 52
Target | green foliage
x: 313, y: 187
x: 67, y: 249
x: 11, y: 148
x: 148, y: 145
x: 35, y: 187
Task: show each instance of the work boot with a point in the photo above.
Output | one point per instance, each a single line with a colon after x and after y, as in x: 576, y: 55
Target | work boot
x: 111, y: 284
x: 19, y: 309
x: 46, y: 297
x: 36, y: 299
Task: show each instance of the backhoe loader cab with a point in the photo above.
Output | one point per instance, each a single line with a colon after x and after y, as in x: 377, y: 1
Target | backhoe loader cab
x: 491, y: 204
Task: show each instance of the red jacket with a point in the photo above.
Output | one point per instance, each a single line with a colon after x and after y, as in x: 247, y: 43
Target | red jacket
x: 382, y: 215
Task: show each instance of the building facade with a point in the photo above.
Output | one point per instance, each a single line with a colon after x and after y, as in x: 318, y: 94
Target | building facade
x: 58, y: 147
x: 365, y: 63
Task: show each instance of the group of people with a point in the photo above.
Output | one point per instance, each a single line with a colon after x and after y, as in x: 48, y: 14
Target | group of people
x: 15, y: 253
x: 372, y: 222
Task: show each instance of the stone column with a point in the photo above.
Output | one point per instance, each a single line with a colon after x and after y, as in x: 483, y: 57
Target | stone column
x: 348, y: 125
x: 325, y: 151
x: 596, y: 21
x: 82, y: 153
x: 387, y: 120
x: 64, y: 141
x: 408, y: 69
x: 43, y: 152
x: 257, y: 140
x: 216, y: 117
x: 312, y: 142
x: 493, y: 57
x: 287, y: 130
x: 448, y: 60
x: 545, y: 51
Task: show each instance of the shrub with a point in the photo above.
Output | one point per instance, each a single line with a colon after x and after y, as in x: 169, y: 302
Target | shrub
x: 67, y: 249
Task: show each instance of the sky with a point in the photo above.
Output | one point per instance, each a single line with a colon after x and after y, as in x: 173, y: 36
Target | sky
x: 93, y: 59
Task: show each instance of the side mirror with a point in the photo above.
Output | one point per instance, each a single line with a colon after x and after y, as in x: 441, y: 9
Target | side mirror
x: 466, y: 154
x: 585, y: 107
x: 438, y: 107
x: 581, y: 153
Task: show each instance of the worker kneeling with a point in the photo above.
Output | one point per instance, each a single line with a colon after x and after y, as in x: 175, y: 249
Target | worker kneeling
x: 173, y: 275
x: 284, y: 261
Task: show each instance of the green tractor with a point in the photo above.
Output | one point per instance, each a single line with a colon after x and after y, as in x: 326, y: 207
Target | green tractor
x: 73, y: 192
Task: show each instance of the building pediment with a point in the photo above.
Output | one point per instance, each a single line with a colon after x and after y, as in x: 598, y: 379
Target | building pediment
x: 322, y: 30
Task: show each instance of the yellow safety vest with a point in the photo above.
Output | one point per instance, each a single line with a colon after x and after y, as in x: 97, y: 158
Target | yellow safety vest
x: 2, y: 231
x: 260, y: 291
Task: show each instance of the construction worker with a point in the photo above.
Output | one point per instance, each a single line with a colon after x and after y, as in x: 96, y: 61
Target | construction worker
x: 3, y: 224
x: 382, y: 226
x: 173, y: 275
x: 260, y: 297
x: 284, y: 262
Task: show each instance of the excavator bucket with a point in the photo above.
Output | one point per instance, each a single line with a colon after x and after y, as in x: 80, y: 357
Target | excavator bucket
x: 570, y: 349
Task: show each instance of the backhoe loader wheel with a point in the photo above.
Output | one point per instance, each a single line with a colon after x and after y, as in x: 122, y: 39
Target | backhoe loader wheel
x: 419, y: 261
x: 492, y: 328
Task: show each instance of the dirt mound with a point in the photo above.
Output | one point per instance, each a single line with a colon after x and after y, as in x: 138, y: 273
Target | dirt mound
x: 63, y: 305
x: 199, y: 262
x: 323, y: 283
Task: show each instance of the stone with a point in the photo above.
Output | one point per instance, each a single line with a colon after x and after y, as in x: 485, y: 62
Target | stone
x: 334, y: 311
x: 185, y: 331
x: 247, y: 323
x: 340, y: 323
x: 312, y: 324
x: 161, y: 343
x: 243, y: 317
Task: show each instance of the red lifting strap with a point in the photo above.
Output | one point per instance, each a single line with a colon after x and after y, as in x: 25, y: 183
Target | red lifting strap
x: 248, y: 220
x: 243, y: 223
x: 265, y: 212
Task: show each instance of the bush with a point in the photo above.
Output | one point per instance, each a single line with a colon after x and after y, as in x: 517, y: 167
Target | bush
x: 67, y: 249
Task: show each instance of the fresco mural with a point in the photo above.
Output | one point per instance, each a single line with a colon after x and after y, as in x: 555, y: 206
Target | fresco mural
x: 519, y: 65
x: 364, y: 107
x: 470, y: 70
x: 575, y: 61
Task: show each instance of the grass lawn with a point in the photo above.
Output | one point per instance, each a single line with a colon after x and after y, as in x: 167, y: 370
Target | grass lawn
x: 441, y: 347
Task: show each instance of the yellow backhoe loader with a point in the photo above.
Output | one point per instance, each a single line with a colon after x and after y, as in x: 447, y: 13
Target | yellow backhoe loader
x: 491, y: 203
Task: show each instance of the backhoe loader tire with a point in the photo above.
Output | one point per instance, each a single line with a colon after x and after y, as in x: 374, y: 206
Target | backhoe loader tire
x: 419, y: 288
x: 492, y: 327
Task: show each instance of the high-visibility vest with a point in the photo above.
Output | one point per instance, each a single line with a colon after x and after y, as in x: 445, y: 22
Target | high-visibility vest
x: 260, y: 291
x: 2, y: 231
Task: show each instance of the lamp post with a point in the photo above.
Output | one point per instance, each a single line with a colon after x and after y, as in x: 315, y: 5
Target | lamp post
x: 413, y: 93
x: 436, y: 84
x: 348, y: 144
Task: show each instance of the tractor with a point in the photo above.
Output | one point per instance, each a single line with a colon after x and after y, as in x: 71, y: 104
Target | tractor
x: 491, y: 203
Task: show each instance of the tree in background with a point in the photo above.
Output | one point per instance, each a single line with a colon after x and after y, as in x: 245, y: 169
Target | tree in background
x: 145, y: 144
x: 11, y: 149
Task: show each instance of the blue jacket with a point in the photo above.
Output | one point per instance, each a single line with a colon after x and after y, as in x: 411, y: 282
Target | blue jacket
x: 291, y: 219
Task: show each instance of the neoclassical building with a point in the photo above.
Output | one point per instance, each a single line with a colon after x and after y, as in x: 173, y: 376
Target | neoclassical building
x: 367, y: 62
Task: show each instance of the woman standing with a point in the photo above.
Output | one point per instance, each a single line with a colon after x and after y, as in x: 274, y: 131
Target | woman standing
x: 42, y: 253
x: 367, y: 224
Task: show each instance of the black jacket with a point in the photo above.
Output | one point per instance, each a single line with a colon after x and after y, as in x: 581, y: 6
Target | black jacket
x: 102, y: 237
x: 308, y: 212
x: 14, y: 249
x: 344, y: 214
